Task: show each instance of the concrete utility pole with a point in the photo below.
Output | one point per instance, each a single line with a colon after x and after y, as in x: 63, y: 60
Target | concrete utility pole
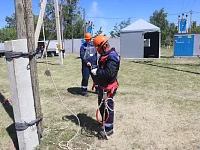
x: 178, y: 23
x: 84, y: 15
x: 58, y: 31
x: 29, y: 20
x: 190, y: 21
x: 22, y: 94
x: 61, y: 23
x: 22, y: 79
x: 62, y: 28
x: 186, y: 23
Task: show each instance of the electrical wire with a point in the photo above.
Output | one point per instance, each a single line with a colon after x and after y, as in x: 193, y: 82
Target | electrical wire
x: 182, y: 5
x: 187, y: 4
x: 193, y: 4
x: 172, y: 14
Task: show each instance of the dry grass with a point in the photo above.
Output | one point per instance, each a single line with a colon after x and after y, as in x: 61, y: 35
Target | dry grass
x: 157, y: 105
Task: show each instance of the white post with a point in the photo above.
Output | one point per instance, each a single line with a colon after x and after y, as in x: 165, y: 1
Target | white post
x: 191, y: 21
x: 159, y: 44
x: 40, y: 21
x: 44, y: 39
x: 21, y: 94
x: 58, y: 31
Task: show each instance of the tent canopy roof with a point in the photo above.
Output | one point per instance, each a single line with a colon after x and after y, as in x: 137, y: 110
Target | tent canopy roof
x: 141, y: 25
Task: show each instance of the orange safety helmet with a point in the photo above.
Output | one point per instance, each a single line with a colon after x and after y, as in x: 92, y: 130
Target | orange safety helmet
x: 99, y: 41
x: 88, y: 36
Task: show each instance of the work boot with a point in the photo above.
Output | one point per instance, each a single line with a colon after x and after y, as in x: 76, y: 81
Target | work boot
x: 104, y: 135
x: 96, y: 90
x: 84, y: 92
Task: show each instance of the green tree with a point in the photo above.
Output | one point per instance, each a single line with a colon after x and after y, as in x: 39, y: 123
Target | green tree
x: 9, y: 31
x: 7, y: 34
x: 169, y: 34
x: 11, y: 21
x: 159, y: 19
x: 98, y: 32
x: 195, y: 28
x: 173, y: 29
x: 72, y: 21
x: 117, y: 28
x: 49, y: 20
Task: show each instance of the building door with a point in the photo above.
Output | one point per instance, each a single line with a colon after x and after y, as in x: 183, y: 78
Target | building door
x: 184, y: 45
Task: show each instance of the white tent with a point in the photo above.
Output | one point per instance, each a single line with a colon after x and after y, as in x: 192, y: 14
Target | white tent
x: 141, y: 25
x: 141, y: 39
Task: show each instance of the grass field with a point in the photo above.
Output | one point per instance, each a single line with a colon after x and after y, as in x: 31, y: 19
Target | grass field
x: 157, y: 105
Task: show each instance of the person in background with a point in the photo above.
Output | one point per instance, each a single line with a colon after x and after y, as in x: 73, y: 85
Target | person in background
x: 88, y: 56
x: 42, y: 51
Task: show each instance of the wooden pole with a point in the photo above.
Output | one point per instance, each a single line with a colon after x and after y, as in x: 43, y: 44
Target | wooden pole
x: 19, y: 12
x: 40, y: 21
x: 29, y: 20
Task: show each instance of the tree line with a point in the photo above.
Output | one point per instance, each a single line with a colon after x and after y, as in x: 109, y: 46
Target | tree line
x: 73, y: 23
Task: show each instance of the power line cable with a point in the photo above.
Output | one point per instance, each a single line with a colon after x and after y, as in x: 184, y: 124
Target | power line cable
x: 187, y: 4
x: 193, y: 4
x: 182, y: 5
x: 131, y: 17
x: 114, y: 18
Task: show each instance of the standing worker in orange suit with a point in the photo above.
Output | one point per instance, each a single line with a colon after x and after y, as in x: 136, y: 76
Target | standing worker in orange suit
x: 106, y: 78
x: 88, y: 56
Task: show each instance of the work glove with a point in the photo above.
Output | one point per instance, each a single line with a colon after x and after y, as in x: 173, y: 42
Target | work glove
x: 94, y: 71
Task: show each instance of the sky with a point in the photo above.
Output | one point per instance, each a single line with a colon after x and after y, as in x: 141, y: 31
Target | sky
x: 106, y: 13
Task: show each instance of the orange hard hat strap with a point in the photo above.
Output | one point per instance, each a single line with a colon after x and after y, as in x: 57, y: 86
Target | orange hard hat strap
x: 101, y: 46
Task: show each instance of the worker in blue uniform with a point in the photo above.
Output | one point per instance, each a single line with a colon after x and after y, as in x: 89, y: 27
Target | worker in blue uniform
x: 106, y: 77
x: 88, y: 56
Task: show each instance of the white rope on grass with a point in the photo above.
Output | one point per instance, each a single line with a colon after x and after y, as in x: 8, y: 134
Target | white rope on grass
x: 48, y: 73
x: 61, y: 144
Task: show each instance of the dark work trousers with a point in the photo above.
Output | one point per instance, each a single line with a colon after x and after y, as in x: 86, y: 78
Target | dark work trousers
x: 109, y: 124
x: 86, y: 72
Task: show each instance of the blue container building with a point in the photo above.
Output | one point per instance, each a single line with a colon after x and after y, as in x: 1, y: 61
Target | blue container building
x: 186, y: 44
